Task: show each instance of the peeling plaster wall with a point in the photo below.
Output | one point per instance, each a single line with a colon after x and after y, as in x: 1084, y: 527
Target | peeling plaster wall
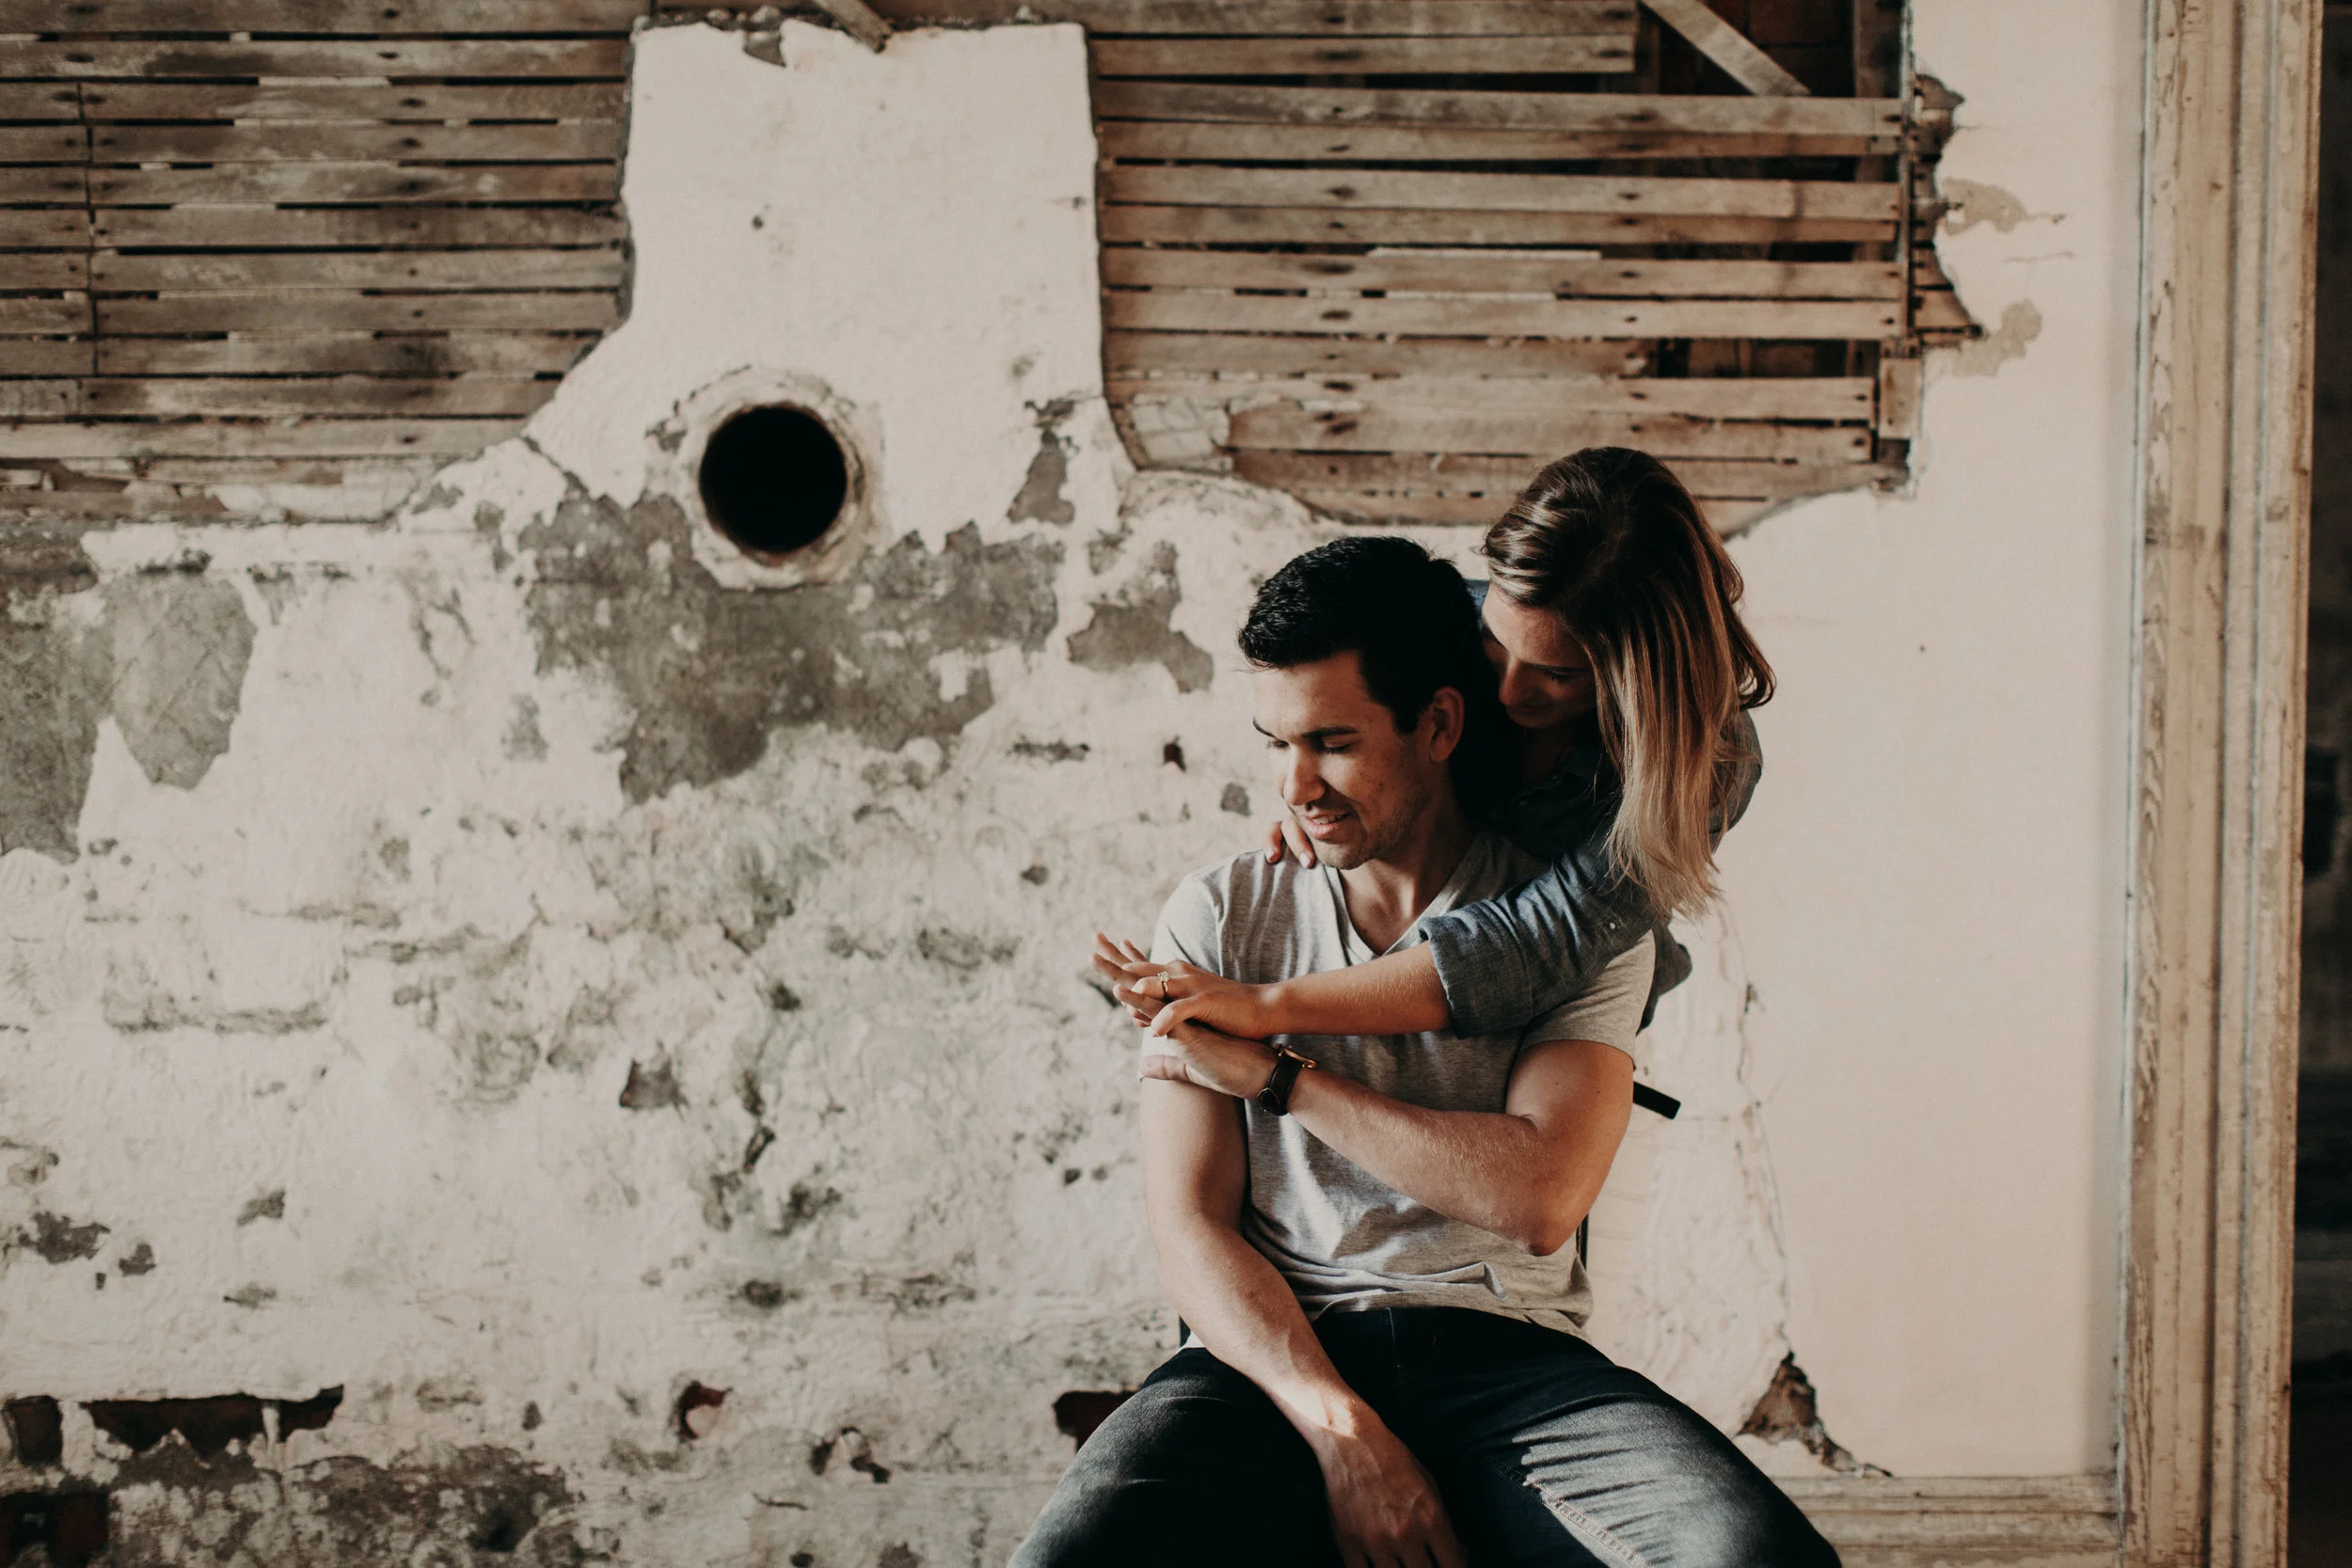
x: 629, y: 1035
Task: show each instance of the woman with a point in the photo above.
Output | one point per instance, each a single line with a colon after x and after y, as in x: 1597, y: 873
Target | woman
x: 1612, y: 622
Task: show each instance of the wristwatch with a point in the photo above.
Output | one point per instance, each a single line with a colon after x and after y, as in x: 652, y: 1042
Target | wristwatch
x: 1275, y: 1098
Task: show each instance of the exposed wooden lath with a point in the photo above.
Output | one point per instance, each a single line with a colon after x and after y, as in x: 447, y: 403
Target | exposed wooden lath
x: 243, y: 231
x: 1356, y: 252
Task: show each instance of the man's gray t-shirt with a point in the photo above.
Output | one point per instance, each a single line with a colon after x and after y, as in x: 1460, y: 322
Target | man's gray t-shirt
x: 1343, y: 1241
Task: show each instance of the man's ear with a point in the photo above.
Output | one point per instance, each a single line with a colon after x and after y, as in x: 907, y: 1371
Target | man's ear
x: 1443, y: 718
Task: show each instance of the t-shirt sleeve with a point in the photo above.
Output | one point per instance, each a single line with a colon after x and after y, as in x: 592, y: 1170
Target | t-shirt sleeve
x: 1609, y: 1010
x: 1189, y: 927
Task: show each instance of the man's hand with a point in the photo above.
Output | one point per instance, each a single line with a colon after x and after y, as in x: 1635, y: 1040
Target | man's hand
x: 1217, y: 1061
x: 1385, y: 1509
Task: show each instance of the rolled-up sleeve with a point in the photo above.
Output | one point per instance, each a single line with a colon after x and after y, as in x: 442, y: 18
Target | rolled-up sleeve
x: 1505, y: 961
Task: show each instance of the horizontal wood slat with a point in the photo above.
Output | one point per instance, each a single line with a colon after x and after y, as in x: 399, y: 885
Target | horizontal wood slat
x: 1483, y: 511
x: 1826, y: 399
x: 373, y: 17
x: 1211, y: 140
x: 1486, y: 315
x: 42, y: 144
x: 273, y: 438
x: 1154, y: 225
x: 330, y: 311
x: 113, y: 273
x: 47, y: 356
x: 46, y: 186
x: 229, y: 229
x: 1458, y: 474
x: 588, y: 141
x: 1849, y: 118
x: 33, y: 227
x: 1503, y: 272
x: 606, y: 59
x: 39, y: 400
x: 1236, y: 353
x: 351, y: 183
x: 1779, y: 199
x: 38, y: 100
x: 44, y: 269
x: 355, y: 394
x: 349, y: 353
x: 1589, y: 53
x: 1536, y: 433
x: 45, y: 316
x: 1300, y: 18
x: 120, y: 101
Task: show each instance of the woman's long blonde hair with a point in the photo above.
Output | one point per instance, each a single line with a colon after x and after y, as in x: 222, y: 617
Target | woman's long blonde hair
x: 1610, y: 540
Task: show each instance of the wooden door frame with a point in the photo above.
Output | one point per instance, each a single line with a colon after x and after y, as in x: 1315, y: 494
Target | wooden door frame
x: 2229, y: 209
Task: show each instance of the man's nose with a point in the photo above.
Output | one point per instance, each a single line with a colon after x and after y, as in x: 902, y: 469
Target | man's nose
x: 1302, y: 777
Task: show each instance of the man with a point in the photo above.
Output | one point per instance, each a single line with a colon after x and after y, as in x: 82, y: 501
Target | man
x: 1370, y: 1236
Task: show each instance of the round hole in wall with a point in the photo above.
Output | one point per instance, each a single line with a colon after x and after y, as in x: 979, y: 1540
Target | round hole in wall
x: 773, y: 479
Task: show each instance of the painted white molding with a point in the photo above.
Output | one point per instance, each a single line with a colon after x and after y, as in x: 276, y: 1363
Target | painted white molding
x: 2230, y: 172
x: 1961, y: 1522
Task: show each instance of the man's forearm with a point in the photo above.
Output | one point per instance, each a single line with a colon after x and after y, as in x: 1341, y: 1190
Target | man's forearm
x: 1245, y: 1313
x: 1495, y: 1170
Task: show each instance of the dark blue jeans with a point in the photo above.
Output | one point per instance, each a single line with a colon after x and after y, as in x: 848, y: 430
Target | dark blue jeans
x: 1544, y: 1450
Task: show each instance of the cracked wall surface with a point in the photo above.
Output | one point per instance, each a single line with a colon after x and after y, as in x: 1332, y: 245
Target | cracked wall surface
x: 626, y: 1039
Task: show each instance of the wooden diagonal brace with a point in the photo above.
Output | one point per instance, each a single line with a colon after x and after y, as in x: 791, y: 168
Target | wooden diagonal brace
x: 861, y: 23
x: 1721, y: 42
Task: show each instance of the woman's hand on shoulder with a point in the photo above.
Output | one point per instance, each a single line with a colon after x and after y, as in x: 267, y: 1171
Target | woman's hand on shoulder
x: 1284, y: 835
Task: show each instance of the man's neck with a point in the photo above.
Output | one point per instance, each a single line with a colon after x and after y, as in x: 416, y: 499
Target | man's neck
x: 1385, y: 896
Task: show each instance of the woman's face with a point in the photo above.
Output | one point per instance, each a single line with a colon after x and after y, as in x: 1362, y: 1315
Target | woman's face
x: 1546, y: 678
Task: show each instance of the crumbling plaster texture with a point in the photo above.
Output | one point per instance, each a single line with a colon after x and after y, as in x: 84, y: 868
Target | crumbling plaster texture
x: 630, y: 1035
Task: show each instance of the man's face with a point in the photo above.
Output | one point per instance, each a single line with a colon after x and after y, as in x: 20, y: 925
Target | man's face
x: 1546, y: 679
x: 1360, y: 788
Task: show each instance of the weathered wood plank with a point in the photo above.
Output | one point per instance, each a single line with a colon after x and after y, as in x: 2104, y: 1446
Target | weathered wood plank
x: 1394, y: 507
x: 235, y: 184
x: 1842, y: 398
x: 371, y: 17
x: 113, y: 273
x: 273, y: 438
x: 46, y: 270
x: 584, y: 142
x: 317, y: 397
x: 1498, y: 316
x: 27, y: 182
x: 1294, y: 17
x: 308, y: 101
x: 325, y: 311
x: 482, y: 353
x: 1464, y: 474
x: 1728, y: 47
x: 42, y: 144
x: 1520, y: 111
x: 38, y: 100
x: 1220, y: 140
x: 859, y: 20
x: 50, y: 317
x: 33, y: 228
x: 1503, y: 272
x: 45, y: 356
x: 1940, y: 310
x: 39, y: 400
x: 1123, y: 224
x: 1236, y: 353
x: 589, y: 58
x: 1361, y: 57
x: 1288, y: 427
x: 1781, y: 199
x: 245, y: 228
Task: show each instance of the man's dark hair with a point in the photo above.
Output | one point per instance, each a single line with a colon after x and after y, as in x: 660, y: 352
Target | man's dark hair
x: 1408, y: 618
